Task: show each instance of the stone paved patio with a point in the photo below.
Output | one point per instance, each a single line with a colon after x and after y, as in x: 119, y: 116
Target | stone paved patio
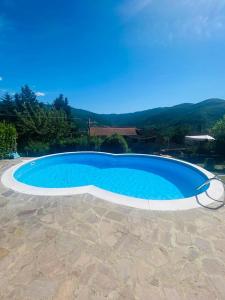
x: 79, y: 247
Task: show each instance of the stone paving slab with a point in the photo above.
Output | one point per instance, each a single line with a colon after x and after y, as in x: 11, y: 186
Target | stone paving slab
x: 80, y: 247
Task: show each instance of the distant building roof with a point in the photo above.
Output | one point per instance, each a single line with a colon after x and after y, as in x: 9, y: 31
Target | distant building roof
x: 199, y: 137
x: 107, y: 131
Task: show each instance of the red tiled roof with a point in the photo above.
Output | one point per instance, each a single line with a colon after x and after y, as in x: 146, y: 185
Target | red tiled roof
x: 106, y: 131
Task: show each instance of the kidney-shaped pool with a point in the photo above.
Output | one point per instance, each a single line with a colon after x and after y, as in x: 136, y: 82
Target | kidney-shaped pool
x: 129, y: 179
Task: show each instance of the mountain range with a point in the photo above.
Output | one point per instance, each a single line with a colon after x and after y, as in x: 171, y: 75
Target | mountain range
x: 199, y: 116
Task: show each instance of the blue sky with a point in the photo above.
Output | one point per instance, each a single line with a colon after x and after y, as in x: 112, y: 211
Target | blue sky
x: 114, y: 55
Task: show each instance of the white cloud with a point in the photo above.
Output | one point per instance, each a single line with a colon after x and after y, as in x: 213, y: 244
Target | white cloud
x: 40, y: 94
x: 168, y: 20
x: 1, y: 78
x: 132, y: 7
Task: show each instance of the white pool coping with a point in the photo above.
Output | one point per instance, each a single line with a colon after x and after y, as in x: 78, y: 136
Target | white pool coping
x: 215, y: 190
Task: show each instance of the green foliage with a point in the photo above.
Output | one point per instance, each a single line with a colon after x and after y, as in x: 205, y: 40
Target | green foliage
x: 26, y: 96
x: 61, y: 103
x: 115, y: 144
x: 179, y: 134
x: 40, y: 127
x: 219, y: 128
x: 7, y: 108
x: 46, y: 128
x: 199, y: 117
x: 218, y: 131
x: 39, y: 123
x: 81, y: 143
x: 36, y: 148
x: 8, y: 137
x: 176, y: 134
x: 64, y: 145
x: 95, y: 143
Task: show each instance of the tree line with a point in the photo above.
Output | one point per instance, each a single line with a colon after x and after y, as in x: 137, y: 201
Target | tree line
x: 37, y: 125
x: 46, y: 128
x: 37, y: 128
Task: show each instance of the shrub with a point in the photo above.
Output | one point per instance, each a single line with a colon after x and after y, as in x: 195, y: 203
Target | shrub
x: 37, y: 148
x: 82, y: 143
x: 218, y: 131
x: 115, y: 144
x: 95, y: 143
x: 8, y: 138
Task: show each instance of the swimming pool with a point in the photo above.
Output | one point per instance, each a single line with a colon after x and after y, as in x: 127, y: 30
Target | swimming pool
x: 135, y: 180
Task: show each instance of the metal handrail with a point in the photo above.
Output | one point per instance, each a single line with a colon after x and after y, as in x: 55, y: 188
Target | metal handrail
x: 208, y: 181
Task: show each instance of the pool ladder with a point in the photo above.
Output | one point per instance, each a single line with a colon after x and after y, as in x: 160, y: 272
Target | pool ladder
x: 216, y: 177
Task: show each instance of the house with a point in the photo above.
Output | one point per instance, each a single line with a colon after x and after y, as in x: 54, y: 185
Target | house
x: 107, y: 131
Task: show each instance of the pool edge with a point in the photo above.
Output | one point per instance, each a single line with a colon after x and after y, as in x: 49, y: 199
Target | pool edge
x: 215, y: 188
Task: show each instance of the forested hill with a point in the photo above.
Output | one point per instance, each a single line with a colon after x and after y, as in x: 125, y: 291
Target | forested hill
x: 48, y: 128
x: 199, y: 116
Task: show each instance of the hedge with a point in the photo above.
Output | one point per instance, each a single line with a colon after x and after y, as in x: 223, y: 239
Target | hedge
x: 8, y: 138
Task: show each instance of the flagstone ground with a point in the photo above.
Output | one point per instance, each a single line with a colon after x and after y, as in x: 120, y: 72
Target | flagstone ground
x: 80, y: 247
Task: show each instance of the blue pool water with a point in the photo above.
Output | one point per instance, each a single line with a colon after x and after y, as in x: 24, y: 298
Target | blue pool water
x: 146, y: 177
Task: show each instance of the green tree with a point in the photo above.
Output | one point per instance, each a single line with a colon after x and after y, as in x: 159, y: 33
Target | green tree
x: 40, y: 127
x: 36, y: 148
x: 8, y: 137
x: 42, y: 124
x: 178, y: 134
x: 218, y: 131
x: 26, y: 96
x: 95, y: 143
x: 7, y: 108
x: 61, y: 103
x: 115, y: 144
